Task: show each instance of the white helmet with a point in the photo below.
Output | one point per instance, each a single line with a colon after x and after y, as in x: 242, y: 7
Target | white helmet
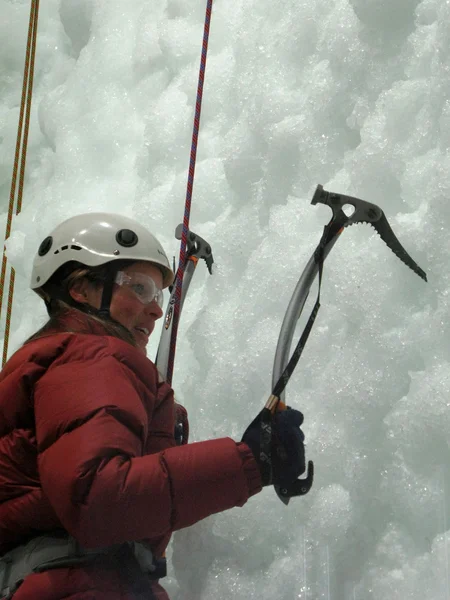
x: 94, y: 239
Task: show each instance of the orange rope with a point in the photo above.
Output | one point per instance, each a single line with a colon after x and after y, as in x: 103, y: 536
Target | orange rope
x: 25, y: 109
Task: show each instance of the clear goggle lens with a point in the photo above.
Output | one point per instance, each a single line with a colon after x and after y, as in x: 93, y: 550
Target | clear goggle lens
x: 143, y: 287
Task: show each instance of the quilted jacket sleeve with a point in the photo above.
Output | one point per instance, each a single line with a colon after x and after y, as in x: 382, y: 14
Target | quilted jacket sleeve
x: 91, y: 427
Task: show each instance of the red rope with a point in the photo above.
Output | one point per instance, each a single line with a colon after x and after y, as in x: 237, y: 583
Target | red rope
x: 190, y: 186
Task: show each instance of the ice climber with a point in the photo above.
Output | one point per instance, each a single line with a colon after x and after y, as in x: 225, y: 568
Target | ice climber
x: 92, y: 480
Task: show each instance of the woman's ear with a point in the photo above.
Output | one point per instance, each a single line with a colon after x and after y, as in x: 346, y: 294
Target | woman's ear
x: 84, y: 292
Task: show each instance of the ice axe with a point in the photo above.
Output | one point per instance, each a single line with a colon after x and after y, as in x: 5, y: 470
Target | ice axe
x: 196, y: 249
x: 364, y: 212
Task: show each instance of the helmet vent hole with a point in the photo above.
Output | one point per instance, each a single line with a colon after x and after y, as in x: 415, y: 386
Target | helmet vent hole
x: 64, y: 247
x: 75, y: 247
x: 126, y: 238
x: 44, y: 248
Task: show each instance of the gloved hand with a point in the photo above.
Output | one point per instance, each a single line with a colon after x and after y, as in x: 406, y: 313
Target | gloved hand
x: 288, y: 452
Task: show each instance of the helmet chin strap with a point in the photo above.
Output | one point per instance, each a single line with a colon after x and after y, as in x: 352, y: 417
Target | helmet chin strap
x: 107, y: 296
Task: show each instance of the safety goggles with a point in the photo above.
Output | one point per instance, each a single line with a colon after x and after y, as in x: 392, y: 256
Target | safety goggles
x: 143, y: 287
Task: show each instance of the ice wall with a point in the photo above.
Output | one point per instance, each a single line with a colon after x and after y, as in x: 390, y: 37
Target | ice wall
x: 349, y: 94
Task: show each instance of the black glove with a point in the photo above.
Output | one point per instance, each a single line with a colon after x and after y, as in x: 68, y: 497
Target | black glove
x: 287, y: 450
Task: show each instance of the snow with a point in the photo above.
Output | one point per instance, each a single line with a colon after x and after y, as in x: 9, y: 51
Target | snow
x: 352, y: 94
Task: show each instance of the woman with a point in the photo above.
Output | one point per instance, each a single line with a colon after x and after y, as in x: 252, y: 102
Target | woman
x: 92, y: 481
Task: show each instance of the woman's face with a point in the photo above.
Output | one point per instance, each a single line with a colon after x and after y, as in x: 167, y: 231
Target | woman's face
x: 126, y: 308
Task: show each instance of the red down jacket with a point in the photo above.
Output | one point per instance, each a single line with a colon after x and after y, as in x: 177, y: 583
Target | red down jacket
x: 87, y: 444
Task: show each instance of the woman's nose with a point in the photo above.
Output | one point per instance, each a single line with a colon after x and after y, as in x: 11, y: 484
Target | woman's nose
x: 153, y: 308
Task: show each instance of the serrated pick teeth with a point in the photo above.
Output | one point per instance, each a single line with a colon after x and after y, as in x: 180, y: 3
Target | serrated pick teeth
x: 395, y: 246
